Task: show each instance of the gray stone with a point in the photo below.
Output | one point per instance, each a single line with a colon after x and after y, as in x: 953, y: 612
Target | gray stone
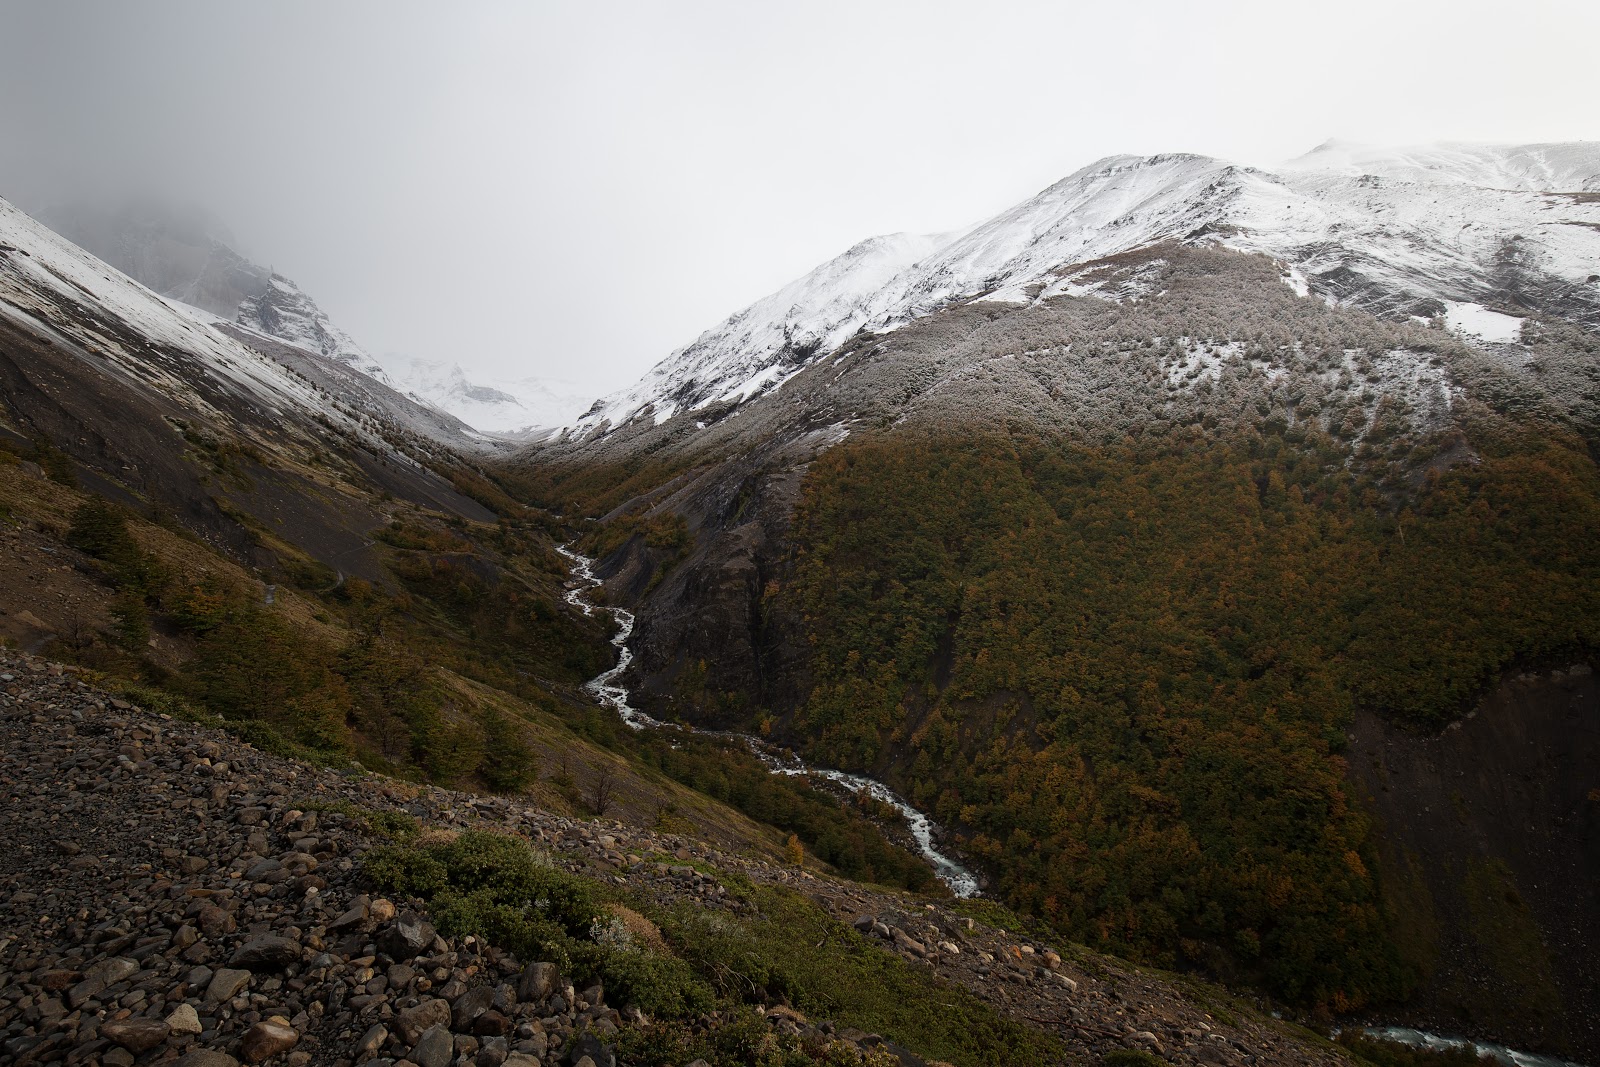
x: 184, y: 1020
x: 434, y: 1048
x: 490, y: 1023
x: 113, y: 970
x: 216, y: 922
x: 538, y: 981
x: 205, y: 1057
x: 136, y: 1035
x: 226, y: 984
x: 266, y: 1039
x: 469, y: 1005
x: 85, y: 991
x: 406, y: 937
x: 413, y: 1022
x: 371, y: 1041
x: 267, y: 953
x: 588, y: 1047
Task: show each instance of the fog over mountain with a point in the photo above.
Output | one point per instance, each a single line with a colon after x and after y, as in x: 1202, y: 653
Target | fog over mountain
x: 568, y: 192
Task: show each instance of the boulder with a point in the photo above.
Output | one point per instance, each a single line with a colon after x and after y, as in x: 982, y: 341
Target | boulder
x: 266, y: 1039
x: 205, y: 1057
x: 413, y: 1022
x: 267, y: 953
x: 587, y: 1046
x: 136, y: 1035
x: 226, y: 984
x: 406, y: 937
x: 434, y: 1048
x: 538, y: 981
x: 469, y: 1005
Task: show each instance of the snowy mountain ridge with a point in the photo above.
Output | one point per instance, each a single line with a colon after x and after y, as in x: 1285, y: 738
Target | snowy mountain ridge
x: 51, y: 287
x: 1401, y: 232
x: 283, y: 310
x: 759, y: 348
x: 186, y: 255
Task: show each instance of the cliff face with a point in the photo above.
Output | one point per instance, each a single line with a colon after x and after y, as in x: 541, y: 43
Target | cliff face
x: 1491, y: 850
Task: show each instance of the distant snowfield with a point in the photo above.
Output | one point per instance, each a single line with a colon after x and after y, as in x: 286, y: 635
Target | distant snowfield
x: 1411, y: 228
x: 490, y: 405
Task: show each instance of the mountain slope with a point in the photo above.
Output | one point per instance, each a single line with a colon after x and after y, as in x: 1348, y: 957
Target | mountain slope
x: 1409, y: 232
x: 249, y: 531
x: 1110, y: 517
x: 155, y: 402
x: 98, y: 966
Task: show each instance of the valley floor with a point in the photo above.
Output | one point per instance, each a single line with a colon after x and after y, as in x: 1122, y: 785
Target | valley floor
x: 171, y: 894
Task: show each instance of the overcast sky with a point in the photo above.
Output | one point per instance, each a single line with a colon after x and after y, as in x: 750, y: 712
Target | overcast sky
x: 572, y: 190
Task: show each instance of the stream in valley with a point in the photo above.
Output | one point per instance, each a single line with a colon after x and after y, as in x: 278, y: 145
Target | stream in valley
x: 609, y: 690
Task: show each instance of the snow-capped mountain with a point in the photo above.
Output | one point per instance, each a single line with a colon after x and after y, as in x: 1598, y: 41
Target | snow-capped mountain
x: 1406, y: 232
x: 264, y: 449
x: 761, y: 347
x: 283, y: 310
x: 53, y: 288
x: 503, y: 406
x: 188, y: 256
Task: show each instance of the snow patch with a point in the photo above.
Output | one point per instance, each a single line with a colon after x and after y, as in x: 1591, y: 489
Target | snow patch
x: 1478, y: 322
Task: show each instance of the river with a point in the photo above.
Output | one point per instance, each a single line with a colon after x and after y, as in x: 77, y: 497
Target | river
x: 1405, y: 1035
x: 608, y: 688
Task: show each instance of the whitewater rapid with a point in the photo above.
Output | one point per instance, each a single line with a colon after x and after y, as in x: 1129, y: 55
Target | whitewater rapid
x: 607, y: 688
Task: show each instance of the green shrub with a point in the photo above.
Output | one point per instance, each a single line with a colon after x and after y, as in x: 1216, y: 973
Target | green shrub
x: 734, y: 1040
x: 58, y: 466
x: 101, y: 529
x: 794, y: 952
x: 494, y: 886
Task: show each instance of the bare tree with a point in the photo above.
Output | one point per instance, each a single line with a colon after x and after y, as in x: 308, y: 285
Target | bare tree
x: 602, y: 791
